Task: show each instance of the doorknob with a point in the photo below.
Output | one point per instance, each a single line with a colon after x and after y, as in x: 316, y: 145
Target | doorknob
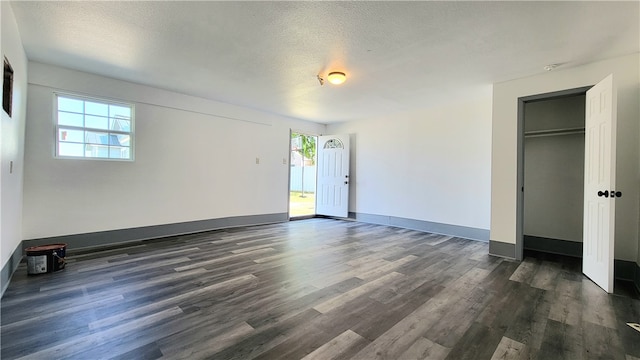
x: 616, y: 194
x: 605, y: 193
x: 346, y: 183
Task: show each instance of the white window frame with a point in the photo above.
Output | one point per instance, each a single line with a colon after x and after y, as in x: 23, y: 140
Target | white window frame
x: 58, y: 127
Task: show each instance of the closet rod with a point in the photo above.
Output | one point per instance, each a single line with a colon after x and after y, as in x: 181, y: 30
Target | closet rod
x: 554, y: 132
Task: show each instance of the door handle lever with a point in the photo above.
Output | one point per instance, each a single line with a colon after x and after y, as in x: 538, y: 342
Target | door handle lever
x: 605, y: 193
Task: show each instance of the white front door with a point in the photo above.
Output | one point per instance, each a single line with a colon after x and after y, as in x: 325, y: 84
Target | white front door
x: 333, y: 176
x: 599, y: 184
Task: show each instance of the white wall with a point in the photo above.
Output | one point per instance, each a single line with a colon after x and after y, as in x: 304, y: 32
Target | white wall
x: 504, y: 144
x: 195, y: 159
x: 433, y: 165
x: 12, y: 139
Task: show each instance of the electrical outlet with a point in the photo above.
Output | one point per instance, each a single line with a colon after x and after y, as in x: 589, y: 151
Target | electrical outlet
x: 634, y: 326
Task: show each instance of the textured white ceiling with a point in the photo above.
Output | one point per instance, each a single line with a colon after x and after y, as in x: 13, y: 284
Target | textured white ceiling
x: 398, y: 56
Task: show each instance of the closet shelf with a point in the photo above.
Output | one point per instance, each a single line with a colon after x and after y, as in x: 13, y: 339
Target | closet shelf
x: 554, y: 132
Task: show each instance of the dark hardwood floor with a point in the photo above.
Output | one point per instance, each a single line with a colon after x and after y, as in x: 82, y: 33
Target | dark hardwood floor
x: 314, y: 289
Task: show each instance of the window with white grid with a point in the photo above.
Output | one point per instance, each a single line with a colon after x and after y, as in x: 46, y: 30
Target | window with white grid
x: 93, y: 128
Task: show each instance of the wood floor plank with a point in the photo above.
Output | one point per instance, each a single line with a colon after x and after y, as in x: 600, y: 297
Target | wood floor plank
x: 601, y: 342
x: 460, y: 315
x: 355, y: 316
x: 567, y: 307
x: 478, y: 342
x: 626, y: 310
x: 525, y: 271
x: 530, y: 320
x: 136, y: 312
x: 61, y: 311
x: 297, y: 345
x: 359, y: 291
x: 191, y: 346
x: 265, y: 338
x: 223, y: 259
x: 502, y: 308
x: 391, y: 266
x: 408, y: 284
x: 132, y: 285
x: 338, y: 277
x: 597, y: 308
x: 292, y: 308
x: 546, y: 276
x: 509, y: 349
x: 561, y: 341
x: 145, y: 352
x: 425, y: 349
x: 144, y: 258
x: 396, y: 340
x: 256, y: 247
x: 337, y: 347
x: 86, y: 343
x: 372, y: 327
x: 175, y: 333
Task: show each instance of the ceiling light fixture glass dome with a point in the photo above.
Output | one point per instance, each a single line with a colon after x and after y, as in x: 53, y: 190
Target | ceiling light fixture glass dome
x: 336, y: 77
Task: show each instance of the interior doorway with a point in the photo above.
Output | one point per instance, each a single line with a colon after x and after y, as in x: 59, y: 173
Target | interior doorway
x: 302, y: 175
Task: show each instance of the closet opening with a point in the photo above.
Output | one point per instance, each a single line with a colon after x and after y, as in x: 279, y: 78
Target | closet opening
x: 551, y: 150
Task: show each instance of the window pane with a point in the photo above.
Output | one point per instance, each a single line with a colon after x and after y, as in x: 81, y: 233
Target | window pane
x: 119, y: 140
x: 65, y: 118
x: 92, y: 137
x: 72, y: 105
x: 70, y: 149
x: 120, y: 125
x: 119, y: 152
x: 96, y: 122
x: 96, y: 151
x: 94, y: 108
x: 69, y: 135
x: 120, y: 112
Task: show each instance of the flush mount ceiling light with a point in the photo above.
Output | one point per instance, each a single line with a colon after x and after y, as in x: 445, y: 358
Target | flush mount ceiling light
x: 336, y: 77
